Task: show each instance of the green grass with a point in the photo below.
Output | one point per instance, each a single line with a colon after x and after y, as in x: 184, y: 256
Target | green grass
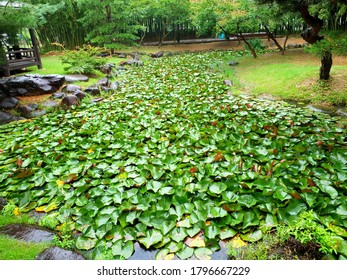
x: 21, y: 219
x: 293, y: 76
x: 12, y: 249
x: 52, y: 65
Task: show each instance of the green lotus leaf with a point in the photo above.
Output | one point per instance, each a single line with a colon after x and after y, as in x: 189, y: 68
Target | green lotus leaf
x: 217, y: 188
x: 83, y: 243
x: 152, y: 237
x: 203, y: 253
x: 247, y: 200
x: 185, y: 253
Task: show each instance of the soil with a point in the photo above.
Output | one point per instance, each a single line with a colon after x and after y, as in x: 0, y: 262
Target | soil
x: 292, y: 249
x: 37, y: 99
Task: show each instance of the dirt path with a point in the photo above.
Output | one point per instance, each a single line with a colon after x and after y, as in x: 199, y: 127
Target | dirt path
x: 220, y: 45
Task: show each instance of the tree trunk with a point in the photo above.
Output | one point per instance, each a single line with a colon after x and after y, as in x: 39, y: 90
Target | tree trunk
x: 285, y: 44
x: 327, y: 62
x: 248, y: 45
x: 272, y: 37
x: 311, y: 35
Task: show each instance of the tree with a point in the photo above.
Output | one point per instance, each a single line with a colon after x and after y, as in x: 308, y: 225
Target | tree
x: 314, y: 21
x: 230, y: 17
x: 109, y: 23
x: 15, y: 17
x: 59, y: 23
x: 205, y: 17
x: 272, y: 18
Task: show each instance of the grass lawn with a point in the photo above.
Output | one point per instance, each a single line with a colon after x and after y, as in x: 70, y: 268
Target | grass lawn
x: 12, y: 249
x: 293, y: 76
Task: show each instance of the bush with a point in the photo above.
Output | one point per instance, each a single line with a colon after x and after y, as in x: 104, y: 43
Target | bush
x: 257, y: 44
x: 83, y: 61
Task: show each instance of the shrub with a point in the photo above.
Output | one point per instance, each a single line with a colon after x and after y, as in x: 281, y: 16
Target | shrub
x: 257, y: 44
x: 83, y: 61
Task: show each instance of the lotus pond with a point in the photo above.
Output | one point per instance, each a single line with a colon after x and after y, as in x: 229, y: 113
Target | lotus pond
x: 175, y: 162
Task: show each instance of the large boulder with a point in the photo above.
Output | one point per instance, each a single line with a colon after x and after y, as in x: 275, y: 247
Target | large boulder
x: 30, y: 85
x: 56, y: 253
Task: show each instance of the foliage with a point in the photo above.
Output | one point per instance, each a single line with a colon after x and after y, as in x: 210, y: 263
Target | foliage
x: 305, y: 229
x: 59, y: 23
x: 50, y: 221
x: 308, y: 228
x: 332, y: 44
x: 8, y: 216
x: 109, y: 23
x: 13, y: 20
x: 83, y: 61
x: 176, y: 163
x: 205, y: 17
x: 8, y: 209
x: 64, y: 241
x: 257, y: 44
x: 261, y: 250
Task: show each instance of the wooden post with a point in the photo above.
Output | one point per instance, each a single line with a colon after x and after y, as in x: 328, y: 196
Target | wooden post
x: 35, y: 47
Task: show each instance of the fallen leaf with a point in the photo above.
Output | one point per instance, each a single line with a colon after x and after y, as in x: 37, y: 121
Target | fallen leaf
x: 197, y: 241
x: 237, y: 242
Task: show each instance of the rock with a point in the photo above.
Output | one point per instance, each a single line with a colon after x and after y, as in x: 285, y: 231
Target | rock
x: 58, y: 95
x: 30, y: 85
x: 56, y: 253
x: 72, y: 88
x: 103, y: 54
x: 50, y: 103
x: 114, y: 85
x: 121, y: 68
x: 341, y: 112
x: 8, y: 103
x: 97, y: 100
x: 3, y: 202
x: 135, y: 62
x: 80, y: 94
x: 103, y: 82
x: 33, y: 106
x: 159, y: 54
x: 135, y: 55
x: 25, y: 109
x: 107, y: 68
x: 38, y: 113
x: 228, y: 83
x: 121, y: 55
x: 69, y: 101
x: 27, y: 233
x: 76, y: 78
x: 156, y: 55
x: 233, y: 63
x: 168, y: 53
x: 322, y: 109
x: 266, y: 96
x: 6, y: 117
x: 93, y: 90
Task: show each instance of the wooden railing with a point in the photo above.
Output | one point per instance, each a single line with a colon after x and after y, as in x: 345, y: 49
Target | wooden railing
x: 18, y: 58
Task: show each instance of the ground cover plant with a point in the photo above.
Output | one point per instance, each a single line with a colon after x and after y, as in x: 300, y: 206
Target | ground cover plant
x: 175, y: 162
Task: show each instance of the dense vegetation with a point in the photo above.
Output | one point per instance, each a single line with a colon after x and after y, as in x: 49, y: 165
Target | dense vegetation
x: 175, y: 162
